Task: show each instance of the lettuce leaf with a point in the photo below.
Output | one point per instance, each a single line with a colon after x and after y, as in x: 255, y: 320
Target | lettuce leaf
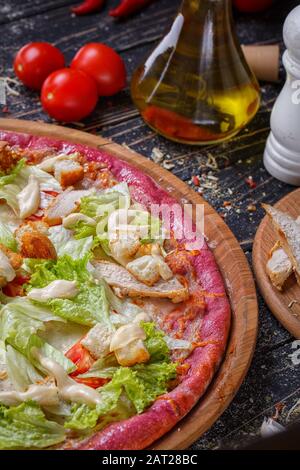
x: 9, y: 194
x: 6, y: 237
x: 83, y: 230
x: 155, y: 343
x: 11, y: 176
x: 27, y: 307
x: 115, y: 407
x: 66, y: 244
x: 99, y: 204
x: 65, y: 267
x: 140, y: 384
x: 20, y: 331
x: 47, y: 181
x: 89, y: 307
x: 20, y: 370
x: 26, y: 426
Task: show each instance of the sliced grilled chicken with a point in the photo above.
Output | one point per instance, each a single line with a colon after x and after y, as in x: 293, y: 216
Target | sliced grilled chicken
x: 119, y: 277
x: 63, y: 205
x: 289, y: 235
x: 279, y: 268
x: 68, y: 172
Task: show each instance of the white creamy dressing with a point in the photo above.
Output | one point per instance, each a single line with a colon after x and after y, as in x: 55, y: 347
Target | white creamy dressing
x: 29, y: 198
x: 125, y: 335
x: 43, y: 394
x: 69, y: 389
x: 6, y: 269
x: 58, y: 289
x: 72, y: 219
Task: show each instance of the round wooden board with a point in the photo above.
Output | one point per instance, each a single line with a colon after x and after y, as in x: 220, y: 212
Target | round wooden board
x: 233, y: 266
x: 277, y: 301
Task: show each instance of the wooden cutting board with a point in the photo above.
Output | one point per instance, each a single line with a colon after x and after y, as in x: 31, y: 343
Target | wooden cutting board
x: 233, y: 266
x: 280, y: 303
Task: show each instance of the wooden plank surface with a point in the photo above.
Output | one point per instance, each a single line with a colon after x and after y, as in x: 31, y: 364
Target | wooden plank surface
x: 272, y: 372
x: 283, y: 304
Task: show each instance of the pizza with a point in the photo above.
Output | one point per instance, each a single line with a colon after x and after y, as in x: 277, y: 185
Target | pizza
x: 112, y: 325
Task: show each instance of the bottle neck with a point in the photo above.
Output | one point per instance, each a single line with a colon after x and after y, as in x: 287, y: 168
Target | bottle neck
x: 202, y: 8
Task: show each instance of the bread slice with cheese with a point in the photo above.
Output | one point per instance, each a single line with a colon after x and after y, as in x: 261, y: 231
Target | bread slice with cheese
x: 117, y: 276
x: 279, y: 267
x: 289, y: 235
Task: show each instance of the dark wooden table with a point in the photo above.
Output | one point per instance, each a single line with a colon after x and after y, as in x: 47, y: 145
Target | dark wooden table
x: 272, y: 379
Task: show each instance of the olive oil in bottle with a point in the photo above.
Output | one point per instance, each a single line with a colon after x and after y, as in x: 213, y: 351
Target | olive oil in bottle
x: 196, y: 86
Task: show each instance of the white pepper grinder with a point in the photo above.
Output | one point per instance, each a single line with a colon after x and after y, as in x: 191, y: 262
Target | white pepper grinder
x: 282, y: 152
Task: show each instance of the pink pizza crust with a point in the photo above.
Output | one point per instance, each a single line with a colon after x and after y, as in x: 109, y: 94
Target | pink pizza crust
x: 142, y: 430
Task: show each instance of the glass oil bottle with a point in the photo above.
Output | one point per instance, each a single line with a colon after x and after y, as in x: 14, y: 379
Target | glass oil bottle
x: 196, y: 86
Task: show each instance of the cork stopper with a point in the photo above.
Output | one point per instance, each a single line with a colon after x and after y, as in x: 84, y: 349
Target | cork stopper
x: 264, y: 61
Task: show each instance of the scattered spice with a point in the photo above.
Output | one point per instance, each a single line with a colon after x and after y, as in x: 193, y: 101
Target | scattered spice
x: 168, y: 165
x: 278, y: 409
x: 157, y: 155
x: 88, y: 6
x: 226, y: 203
x: 250, y: 182
x: 251, y: 208
x: 196, y: 180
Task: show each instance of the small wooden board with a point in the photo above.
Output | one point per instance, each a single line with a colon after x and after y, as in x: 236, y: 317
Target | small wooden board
x: 277, y: 301
x: 233, y: 266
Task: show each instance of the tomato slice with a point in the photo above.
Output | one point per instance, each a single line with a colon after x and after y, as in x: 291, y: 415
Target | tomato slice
x: 81, y: 358
x: 35, y: 218
x: 15, y: 287
x: 50, y: 192
x: 93, y: 382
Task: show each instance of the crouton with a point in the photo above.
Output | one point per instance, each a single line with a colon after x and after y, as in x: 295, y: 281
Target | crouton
x: 8, y: 157
x: 15, y: 259
x: 37, y: 245
x: 134, y: 353
x: 10, y: 262
x: 68, y: 172
x: 30, y: 226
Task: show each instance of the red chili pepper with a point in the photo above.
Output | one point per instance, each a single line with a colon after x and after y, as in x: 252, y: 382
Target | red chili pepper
x: 88, y: 6
x: 128, y: 7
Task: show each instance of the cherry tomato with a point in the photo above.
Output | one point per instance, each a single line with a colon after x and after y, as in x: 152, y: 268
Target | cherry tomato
x: 83, y: 360
x: 104, y: 65
x: 93, y: 382
x: 252, y: 6
x: 35, y: 61
x: 69, y: 95
x: 15, y: 287
x: 81, y: 357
